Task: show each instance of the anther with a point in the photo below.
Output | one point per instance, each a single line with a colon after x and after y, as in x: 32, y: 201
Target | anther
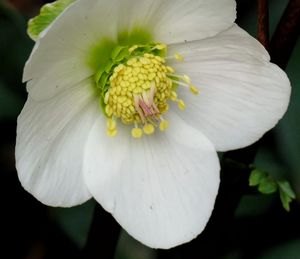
x: 111, y: 124
x: 178, y: 57
x: 173, y: 96
x: 194, y: 89
x: 160, y: 46
x: 112, y: 133
x: 133, y: 48
x: 180, y: 83
x: 186, y: 79
x: 163, y: 125
x: 148, y: 129
x: 106, y: 97
x: 136, y: 132
x: 181, y: 104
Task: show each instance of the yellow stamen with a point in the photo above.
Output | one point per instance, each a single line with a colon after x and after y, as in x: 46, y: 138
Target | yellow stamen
x: 178, y: 57
x: 134, y: 47
x: 136, y: 132
x: 161, y: 46
x: 106, y: 97
x: 173, y: 96
x: 163, y: 125
x: 148, y: 129
x: 139, y: 89
x: 111, y: 124
x: 186, y: 79
x: 108, y: 110
x: 112, y: 133
x: 181, y: 104
x: 194, y: 90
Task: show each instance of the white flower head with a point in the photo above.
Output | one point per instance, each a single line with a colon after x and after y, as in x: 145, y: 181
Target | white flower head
x: 129, y: 102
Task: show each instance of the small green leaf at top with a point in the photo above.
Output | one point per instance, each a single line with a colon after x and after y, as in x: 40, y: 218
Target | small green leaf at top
x: 47, y: 15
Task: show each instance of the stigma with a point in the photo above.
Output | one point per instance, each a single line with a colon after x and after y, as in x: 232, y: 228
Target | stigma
x: 139, y: 91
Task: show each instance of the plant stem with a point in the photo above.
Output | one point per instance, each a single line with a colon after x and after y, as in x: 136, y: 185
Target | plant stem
x: 263, y: 23
x: 286, y: 34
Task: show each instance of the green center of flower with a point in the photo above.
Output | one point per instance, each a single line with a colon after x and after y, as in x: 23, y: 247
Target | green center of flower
x: 136, y: 85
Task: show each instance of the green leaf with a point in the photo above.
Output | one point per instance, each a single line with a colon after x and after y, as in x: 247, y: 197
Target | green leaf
x: 285, y: 186
x: 267, y: 185
x: 285, y: 200
x: 256, y: 177
x: 47, y: 15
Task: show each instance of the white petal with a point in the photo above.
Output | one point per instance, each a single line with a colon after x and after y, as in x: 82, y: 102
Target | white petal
x: 59, y: 59
x: 50, y: 145
x: 242, y: 96
x: 162, y: 188
x: 187, y: 20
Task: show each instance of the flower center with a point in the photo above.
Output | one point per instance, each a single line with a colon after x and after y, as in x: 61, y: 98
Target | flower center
x: 136, y: 91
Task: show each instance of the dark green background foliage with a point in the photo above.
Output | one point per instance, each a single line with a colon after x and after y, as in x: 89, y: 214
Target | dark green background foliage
x: 261, y: 229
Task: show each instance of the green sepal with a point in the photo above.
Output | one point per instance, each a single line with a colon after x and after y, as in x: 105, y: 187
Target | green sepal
x: 98, y: 75
x: 47, y: 15
x: 285, y: 186
x: 102, y: 106
x: 286, y: 194
x: 256, y: 177
x: 267, y: 185
x: 116, y: 51
x: 103, y: 82
x: 124, y: 54
x: 108, y: 67
x: 285, y: 200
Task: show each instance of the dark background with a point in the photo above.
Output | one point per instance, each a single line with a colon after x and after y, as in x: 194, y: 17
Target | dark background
x: 261, y: 227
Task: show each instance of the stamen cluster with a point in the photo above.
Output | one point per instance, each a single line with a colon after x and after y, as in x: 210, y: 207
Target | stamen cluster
x: 138, y: 94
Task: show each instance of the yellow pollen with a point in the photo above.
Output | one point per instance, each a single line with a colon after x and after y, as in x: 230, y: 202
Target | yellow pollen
x: 181, y: 104
x: 161, y: 46
x: 148, y: 129
x: 136, y: 133
x: 173, y: 96
x: 112, y: 133
x: 111, y: 124
x: 139, y: 90
x: 186, y: 79
x: 178, y: 57
x: 106, y: 98
x: 194, y: 90
x: 133, y: 48
x: 163, y: 125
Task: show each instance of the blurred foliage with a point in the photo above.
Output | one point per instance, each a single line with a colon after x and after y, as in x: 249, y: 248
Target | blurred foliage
x: 267, y: 184
x: 278, y: 155
x: 289, y: 250
x: 15, y: 47
x: 74, y: 221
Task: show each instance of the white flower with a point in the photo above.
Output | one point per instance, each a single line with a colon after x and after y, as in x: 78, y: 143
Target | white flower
x: 160, y: 188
